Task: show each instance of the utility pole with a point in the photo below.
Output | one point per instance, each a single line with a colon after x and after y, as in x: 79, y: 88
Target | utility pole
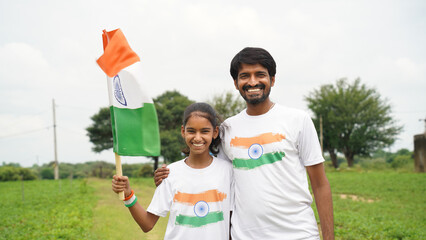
x: 54, y: 142
x: 321, y: 137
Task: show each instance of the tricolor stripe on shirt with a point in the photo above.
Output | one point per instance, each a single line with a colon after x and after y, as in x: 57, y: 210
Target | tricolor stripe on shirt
x: 204, y: 208
x: 257, y: 150
x: 133, y: 115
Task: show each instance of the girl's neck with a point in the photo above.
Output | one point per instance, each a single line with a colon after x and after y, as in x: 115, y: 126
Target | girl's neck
x: 198, y: 161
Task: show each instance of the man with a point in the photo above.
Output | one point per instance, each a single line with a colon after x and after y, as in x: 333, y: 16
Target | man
x: 271, y: 148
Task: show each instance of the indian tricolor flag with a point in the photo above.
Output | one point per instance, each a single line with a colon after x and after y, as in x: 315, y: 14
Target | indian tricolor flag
x: 259, y: 150
x: 133, y: 115
x: 199, y: 209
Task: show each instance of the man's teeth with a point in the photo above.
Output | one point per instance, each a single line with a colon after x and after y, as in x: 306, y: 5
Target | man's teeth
x: 253, y: 90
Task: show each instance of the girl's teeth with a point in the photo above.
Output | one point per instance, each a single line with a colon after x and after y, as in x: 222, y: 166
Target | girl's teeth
x: 198, y: 144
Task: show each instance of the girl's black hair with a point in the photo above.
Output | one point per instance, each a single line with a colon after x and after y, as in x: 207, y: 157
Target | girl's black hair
x: 203, y: 110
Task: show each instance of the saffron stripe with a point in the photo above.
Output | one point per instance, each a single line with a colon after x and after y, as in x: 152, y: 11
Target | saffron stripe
x: 262, y: 139
x: 267, y: 158
x: 117, y: 53
x: 191, y: 221
x: 192, y: 198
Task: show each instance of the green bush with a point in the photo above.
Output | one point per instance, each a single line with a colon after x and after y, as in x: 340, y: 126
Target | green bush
x: 13, y: 173
x: 401, y: 161
x: 47, y: 173
x: 8, y: 173
x: 146, y: 171
x: 373, y: 163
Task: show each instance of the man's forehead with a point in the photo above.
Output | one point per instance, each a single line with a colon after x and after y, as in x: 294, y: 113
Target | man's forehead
x: 244, y: 67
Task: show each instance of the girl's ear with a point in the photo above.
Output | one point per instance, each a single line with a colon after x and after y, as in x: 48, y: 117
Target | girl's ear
x: 182, y: 131
x: 215, y: 132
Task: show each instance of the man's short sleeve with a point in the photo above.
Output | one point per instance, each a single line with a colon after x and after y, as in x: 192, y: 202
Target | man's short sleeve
x: 308, y: 144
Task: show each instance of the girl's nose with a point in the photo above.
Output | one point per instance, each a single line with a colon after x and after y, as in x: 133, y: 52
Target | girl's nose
x: 197, y: 136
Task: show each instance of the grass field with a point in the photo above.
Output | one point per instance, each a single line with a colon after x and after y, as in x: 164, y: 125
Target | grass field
x: 367, y: 205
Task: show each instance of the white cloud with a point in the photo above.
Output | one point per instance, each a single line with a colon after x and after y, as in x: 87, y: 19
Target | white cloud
x: 22, y: 65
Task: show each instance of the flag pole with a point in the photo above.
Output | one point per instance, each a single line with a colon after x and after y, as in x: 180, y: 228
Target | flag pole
x: 119, y: 172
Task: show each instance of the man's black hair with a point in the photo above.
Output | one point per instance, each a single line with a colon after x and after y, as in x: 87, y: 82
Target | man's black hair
x: 251, y: 55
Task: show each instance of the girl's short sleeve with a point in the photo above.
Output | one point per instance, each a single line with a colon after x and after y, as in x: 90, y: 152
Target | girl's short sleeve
x: 162, y: 200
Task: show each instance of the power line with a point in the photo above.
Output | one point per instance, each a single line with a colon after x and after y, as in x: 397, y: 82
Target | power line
x: 76, y: 107
x: 24, y: 118
x: 25, y: 132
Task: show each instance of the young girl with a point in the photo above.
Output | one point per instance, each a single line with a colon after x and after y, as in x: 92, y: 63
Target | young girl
x: 198, y: 192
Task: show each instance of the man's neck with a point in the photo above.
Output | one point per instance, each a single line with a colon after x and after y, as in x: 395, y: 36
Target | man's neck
x: 260, y: 108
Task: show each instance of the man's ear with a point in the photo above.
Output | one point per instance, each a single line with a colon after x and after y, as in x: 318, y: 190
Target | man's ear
x: 272, y: 81
x: 236, y: 84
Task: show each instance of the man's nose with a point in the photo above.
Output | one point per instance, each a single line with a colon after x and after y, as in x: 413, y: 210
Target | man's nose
x: 252, y: 80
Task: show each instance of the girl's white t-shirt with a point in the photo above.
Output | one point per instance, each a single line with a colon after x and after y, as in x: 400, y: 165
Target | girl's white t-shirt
x: 199, y: 201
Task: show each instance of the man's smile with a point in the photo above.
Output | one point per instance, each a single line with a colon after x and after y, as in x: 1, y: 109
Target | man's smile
x: 257, y: 88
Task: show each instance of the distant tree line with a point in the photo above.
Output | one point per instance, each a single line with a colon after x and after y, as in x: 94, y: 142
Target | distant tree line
x: 99, y: 169
x: 401, y: 161
x: 380, y: 160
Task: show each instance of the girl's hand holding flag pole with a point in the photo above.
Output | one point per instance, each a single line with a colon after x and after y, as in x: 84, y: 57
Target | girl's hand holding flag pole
x: 133, y: 116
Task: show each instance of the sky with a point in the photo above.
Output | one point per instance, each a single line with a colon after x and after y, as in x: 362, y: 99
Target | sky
x: 48, y: 50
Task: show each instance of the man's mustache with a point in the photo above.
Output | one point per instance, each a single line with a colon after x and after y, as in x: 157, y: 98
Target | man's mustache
x: 261, y: 86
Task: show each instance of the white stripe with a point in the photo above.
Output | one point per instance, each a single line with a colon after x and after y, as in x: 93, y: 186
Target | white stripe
x: 188, y: 210
x: 240, y: 152
x: 130, y: 200
x: 129, y: 89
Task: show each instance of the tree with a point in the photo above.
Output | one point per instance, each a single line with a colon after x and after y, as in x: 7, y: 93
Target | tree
x: 321, y: 103
x: 227, y: 105
x: 356, y: 120
x: 170, y: 107
x: 100, y: 132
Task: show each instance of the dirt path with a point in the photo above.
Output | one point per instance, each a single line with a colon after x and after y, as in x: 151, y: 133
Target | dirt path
x: 113, y: 221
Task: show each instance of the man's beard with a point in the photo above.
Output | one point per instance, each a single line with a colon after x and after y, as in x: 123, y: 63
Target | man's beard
x: 256, y: 100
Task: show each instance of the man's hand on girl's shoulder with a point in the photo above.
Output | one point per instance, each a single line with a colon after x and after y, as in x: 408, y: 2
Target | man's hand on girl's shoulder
x: 160, y: 174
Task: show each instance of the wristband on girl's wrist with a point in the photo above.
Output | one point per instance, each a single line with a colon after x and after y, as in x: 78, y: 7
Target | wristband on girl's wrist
x: 130, y: 196
x: 133, y: 199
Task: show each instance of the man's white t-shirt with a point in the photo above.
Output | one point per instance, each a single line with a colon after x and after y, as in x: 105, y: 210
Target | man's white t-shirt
x: 269, y: 153
x: 199, y: 201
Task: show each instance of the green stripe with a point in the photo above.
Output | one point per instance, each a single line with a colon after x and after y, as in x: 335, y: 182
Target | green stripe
x: 267, y: 158
x: 191, y: 221
x: 135, y: 131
